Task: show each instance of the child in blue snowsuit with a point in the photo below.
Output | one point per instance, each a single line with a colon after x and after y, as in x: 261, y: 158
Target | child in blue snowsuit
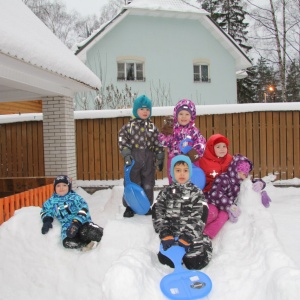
x: 78, y: 231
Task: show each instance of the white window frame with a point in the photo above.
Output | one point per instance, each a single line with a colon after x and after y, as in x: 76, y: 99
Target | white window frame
x: 133, y: 64
x: 198, y: 77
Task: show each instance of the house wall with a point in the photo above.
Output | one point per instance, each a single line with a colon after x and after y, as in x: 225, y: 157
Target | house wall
x: 169, y: 47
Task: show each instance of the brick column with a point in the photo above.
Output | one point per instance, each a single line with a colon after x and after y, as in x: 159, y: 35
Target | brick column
x: 59, y: 137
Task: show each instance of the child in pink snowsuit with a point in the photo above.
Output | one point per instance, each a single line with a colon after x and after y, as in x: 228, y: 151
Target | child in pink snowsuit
x: 182, y: 128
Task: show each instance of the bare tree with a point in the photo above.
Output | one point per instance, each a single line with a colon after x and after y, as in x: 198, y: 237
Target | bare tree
x: 275, y: 34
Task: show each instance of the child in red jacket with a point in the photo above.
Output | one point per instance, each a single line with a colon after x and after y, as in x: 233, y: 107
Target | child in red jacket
x: 214, y: 162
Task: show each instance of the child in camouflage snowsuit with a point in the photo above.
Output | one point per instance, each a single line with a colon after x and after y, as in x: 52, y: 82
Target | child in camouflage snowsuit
x: 180, y: 213
x: 78, y: 231
x: 138, y: 141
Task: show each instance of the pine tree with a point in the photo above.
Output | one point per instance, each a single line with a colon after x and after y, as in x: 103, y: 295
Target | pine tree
x: 246, y: 87
x: 266, y: 81
x: 293, y: 82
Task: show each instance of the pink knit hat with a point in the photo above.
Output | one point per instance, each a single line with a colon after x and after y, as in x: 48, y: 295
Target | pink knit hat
x: 243, y: 167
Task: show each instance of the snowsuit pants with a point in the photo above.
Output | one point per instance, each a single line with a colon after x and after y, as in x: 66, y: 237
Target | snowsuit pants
x: 215, y: 221
x: 196, y: 258
x: 87, y: 232
x: 143, y: 172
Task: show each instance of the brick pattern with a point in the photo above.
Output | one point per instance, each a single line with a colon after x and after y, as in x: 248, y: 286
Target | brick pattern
x: 59, y: 137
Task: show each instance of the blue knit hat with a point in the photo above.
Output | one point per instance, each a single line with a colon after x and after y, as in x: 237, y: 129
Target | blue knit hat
x: 183, y: 158
x: 65, y: 179
x: 141, y: 102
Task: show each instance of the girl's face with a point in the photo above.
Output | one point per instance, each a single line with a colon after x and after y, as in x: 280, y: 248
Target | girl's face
x: 184, y: 117
x: 242, y: 175
x: 143, y: 113
x: 220, y: 149
x: 181, y: 173
x: 61, y: 189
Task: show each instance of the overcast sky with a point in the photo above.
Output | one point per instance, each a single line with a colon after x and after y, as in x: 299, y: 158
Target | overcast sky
x: 86, y: 7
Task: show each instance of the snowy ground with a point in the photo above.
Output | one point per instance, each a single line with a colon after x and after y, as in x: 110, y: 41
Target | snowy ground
x: 257, y: 258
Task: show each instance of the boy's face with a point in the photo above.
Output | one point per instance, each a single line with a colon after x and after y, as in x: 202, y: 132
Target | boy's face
x: 61, y: 189
x: 143, y: 113
x: 184, y: 117
x: 220, y: 149
x: 181, y: 173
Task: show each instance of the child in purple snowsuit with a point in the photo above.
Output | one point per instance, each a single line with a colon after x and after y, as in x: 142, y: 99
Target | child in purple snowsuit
x: 223, y: 194
x: 183, y: 128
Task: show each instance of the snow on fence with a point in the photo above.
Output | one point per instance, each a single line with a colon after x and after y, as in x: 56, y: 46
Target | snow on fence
x: 33, y: 197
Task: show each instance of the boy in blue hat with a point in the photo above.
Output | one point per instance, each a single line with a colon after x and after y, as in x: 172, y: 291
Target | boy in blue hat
x: 138, y: 141
x: 78, y: 231
x: 179, y: 216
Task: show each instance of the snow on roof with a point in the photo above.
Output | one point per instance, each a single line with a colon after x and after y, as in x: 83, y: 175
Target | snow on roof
x: 25, y: 37
x: 167, y: 5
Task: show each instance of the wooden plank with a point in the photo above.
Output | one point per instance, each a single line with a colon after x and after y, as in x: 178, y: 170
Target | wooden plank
x: 249, y: 136
x: 97, y: 149
x: 108, y: 148
x: 90, y: 153
x: 276, y: 141
x: 283, y: 144
x: 256, y: 144
x: 270, y: 141
x: 102, y: 149
x: 234, y: 143
x: 9, y: 150
x: 3, y: 151
x: 85, y: 150
x: 35, y: 148
x: 114, y: 149
x: 289, y: 145
x: 24, y: 150
x: 296, y: 138
x: 79, y: 151
x: 30, y: 149
x: 263, y: 144
x: 242, y: 135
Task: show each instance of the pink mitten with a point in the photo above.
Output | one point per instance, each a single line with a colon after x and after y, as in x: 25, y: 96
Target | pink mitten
x: 265, y: 199
x: 233, y: 213
x: 257, y: 186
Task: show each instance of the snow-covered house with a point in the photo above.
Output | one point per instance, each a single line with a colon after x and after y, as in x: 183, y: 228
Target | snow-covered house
x: 167, y: 49
x: 36, y: 65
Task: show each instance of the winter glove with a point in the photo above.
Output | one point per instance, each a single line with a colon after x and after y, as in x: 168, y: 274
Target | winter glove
x: 167, y: 128
x: 73, y: 228
x: 167, y: 242
x: 47, y: 224
x: 182, y: 242
x: 126, y: 153
x: 257, y: 186
x: 233, y: 213
x: 193, y: 155
x: 265, y: 199
x: 160, y: 161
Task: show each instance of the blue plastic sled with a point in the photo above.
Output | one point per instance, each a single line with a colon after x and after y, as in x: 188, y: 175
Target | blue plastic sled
x: 198, y: 176
x: 134, y: 195
x: 182, y: 283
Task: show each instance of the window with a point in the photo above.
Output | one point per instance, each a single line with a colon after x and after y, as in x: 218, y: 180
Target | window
x: 131, y: 71
x: 201, y: 71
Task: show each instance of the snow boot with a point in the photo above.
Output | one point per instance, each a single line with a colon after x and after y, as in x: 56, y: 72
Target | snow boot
x: 128, y: 213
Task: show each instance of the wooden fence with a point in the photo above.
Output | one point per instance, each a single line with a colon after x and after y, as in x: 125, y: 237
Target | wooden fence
x: 33, y: 197
x: 269, y: 138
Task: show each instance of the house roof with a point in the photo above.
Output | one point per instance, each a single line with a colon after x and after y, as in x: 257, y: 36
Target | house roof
x: 167, y: 8
x: 34, y: 63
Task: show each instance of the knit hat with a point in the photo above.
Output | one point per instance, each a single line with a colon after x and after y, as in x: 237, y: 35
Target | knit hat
x: 243, y: 167
x: 184, y: 107
x: 63, y: 178
x: 221, y: 139
x: 141, y: 102
x: 182, y: 158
